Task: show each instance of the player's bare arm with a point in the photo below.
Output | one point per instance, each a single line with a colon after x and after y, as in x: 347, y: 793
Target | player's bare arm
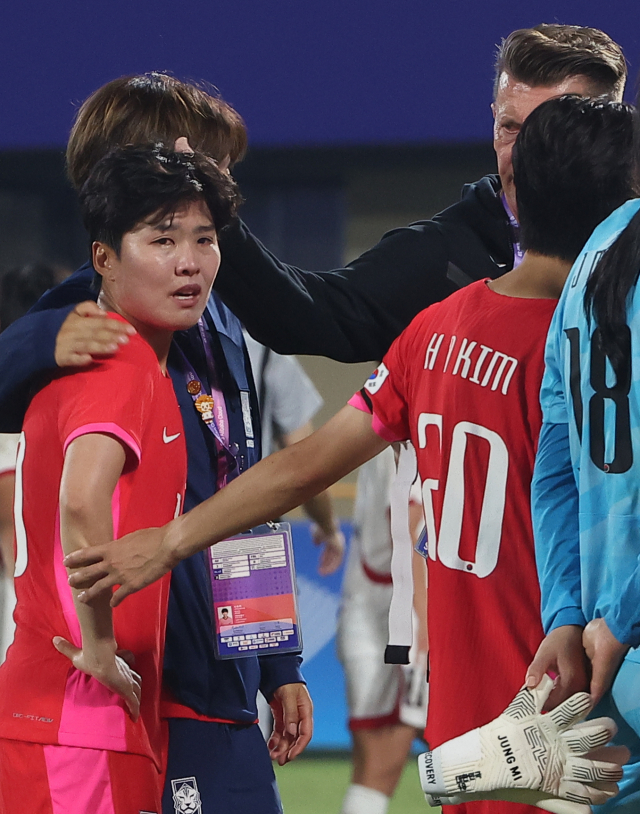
x: 87, y: 333
x: 561, y: 653
x: 292, y: 722
x: 274, y: 486
x: 326, y: 529
x: 92, y: 467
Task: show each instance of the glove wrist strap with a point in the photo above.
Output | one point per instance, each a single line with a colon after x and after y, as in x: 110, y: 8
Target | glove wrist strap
x: 452, y: 767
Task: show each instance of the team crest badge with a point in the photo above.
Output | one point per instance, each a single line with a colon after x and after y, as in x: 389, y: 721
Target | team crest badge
x: 186, y: 797
x: 377, y: 379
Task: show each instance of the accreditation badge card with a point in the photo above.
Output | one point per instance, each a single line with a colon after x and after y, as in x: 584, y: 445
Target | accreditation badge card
x: 255, y: 605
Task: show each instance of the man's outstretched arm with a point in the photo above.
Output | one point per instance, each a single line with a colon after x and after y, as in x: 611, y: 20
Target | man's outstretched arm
x: 271, y: 488
x: 351, y: 314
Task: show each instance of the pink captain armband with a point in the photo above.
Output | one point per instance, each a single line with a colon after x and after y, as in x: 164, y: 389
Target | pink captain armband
x: 377, y: 426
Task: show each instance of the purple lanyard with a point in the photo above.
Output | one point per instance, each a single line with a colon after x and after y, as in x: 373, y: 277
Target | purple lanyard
x: 212, y: 408
x: 518, y: 254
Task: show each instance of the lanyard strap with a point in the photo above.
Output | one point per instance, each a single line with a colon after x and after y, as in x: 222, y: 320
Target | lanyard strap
x: 210, y: 403
x: 518, y: 254
x: 221, y: 418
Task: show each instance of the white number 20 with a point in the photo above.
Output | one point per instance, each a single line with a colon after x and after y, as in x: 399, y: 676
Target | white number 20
x: 445, y: 546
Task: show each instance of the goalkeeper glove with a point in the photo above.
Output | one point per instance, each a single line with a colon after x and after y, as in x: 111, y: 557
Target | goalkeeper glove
x: 527, y: 757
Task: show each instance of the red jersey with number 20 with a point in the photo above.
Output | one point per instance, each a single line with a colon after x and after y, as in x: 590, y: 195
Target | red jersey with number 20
x: 44, y: 699
x: 462, y: 382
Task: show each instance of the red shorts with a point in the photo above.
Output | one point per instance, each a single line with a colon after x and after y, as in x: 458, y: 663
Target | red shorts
x: 45, y: 779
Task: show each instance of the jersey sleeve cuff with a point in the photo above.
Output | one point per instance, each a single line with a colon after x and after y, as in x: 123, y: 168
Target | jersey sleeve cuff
x: 359, y: 402
x: 567, y: 616
x: 628, y: 633
x: 278, y: 670
x: 106, y: 428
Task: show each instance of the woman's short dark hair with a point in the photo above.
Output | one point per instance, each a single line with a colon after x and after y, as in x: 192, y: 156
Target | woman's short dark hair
x: 132, y: 184
x: 574, y: 163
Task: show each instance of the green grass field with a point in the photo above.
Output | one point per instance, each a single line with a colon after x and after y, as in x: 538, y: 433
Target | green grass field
x: 316, y: 785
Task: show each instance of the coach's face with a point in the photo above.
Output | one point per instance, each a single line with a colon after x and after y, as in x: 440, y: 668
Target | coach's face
x: 514, y: 101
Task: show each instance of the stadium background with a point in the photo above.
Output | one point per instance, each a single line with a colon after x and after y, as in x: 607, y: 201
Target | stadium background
x: 362, y: 116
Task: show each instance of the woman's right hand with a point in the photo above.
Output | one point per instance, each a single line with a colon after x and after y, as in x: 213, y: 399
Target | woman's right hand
x: 107, y: 667
x: 88, y: 334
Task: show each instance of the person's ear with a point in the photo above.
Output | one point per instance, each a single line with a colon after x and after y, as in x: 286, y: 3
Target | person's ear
x: 102, y: 256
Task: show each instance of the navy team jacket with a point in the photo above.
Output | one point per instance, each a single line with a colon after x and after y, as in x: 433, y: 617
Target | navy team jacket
x: 218, y: 689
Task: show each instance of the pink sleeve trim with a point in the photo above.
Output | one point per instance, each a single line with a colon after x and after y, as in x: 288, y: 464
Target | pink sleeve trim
x: 384, y: 432
x: 376, y: 425
x: 108, y: 428
x: 359, y: 403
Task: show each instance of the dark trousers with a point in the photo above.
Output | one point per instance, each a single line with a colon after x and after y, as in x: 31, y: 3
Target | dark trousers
x: 218, y: 769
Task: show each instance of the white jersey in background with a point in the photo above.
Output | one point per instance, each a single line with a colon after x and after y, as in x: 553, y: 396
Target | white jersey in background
x: 287, y: 396
x: 8, y: 451
x: 375, y: 690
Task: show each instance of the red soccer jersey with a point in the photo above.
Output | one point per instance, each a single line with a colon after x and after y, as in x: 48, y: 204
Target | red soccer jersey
x: 462, y: 383
x: 43, y: 699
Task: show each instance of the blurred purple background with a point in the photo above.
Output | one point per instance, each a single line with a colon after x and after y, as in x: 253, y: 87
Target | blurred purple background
x: 301, y: 72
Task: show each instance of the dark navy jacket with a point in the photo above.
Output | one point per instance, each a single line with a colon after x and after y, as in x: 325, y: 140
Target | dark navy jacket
x: 353, y: 314
x: 219, y: 689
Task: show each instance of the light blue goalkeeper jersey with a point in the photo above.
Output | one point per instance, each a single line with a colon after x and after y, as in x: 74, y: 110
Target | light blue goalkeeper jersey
x: 586, y: 489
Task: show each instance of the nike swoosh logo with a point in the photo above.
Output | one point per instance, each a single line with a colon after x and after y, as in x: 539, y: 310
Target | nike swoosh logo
x: 169, y: 438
